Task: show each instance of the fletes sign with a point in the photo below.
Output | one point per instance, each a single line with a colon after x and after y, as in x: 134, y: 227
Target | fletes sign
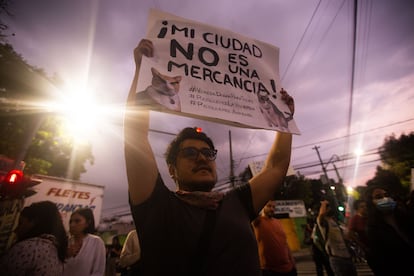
x: 68, y: 195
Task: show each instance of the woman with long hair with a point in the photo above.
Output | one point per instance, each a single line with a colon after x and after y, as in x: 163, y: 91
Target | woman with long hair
x: 390, y: 233
x: 86, y: 251
x: 41, y: 242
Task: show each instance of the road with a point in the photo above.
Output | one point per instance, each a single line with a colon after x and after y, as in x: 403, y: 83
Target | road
x: 306, y: 266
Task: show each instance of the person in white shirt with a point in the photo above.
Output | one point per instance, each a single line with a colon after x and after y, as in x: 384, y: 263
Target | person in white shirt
x: 130, y: 254
x: 86, y: 251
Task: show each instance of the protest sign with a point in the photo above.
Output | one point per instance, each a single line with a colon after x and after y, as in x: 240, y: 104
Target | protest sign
x: 214, y: 74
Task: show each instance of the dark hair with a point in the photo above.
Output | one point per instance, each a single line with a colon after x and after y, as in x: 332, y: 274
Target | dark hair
x: 374, y: 214
x: 90, y: 219
x: 46, y: 219
x: 369, y: 191
x: 186, y: 133
x: 357, y: 203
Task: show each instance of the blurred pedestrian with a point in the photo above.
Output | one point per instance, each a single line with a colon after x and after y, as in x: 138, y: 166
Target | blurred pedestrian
x: 410, y: 204
x: 86, y: 251
x: 336, y: 247
x: 357, y: 230
x: 112, y: 260
x: 275, y: 256
x: 41, y: 243
x: 194, y: 230
x: 130, y: 255
x: 307, y: 231
x: 390, y: 234
x: 319, y: 255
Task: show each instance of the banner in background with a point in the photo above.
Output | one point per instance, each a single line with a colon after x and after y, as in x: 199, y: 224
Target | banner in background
x: 68, y: 195
x: 295, y: 208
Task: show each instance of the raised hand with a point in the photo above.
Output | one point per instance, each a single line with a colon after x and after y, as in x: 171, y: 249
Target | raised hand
x: 145, y: 47
x: 288, y: 100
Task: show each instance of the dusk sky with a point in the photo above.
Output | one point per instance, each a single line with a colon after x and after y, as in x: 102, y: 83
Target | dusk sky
x: 91, y: 43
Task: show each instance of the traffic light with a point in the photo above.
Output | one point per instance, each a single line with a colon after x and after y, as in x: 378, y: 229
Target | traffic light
x: 15, y: 185
x: 14, y: 177
x: 341, y: 211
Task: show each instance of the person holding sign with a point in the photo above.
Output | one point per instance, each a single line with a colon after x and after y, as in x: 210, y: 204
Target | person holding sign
x: 194, y: 230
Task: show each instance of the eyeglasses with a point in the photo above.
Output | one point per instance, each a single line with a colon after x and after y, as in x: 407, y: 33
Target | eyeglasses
x: 192, y: 153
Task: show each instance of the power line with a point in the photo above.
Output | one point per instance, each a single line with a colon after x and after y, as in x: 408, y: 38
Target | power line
x: 338, y: 168
x: 301, y: 39
x: 352, y: 134
x: 341, y: 158
x: 352, y: 74
x: 333, y: 139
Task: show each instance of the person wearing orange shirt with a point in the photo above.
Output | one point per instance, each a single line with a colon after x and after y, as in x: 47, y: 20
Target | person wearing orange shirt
x: 275, y: 255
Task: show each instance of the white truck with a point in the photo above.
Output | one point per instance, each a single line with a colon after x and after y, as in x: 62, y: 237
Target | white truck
x: 68, y: 195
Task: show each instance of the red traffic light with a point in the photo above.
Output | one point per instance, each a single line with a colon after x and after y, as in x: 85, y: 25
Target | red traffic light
x: 198, y: 129
x: 12, y: 184
x: 13, y: 177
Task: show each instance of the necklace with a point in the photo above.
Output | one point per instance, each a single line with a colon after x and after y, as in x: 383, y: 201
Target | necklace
x: 75, y: 246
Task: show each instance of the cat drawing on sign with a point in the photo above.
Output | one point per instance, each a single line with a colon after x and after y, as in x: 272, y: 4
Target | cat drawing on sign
x: 163, y: 90
x: 272, y: 113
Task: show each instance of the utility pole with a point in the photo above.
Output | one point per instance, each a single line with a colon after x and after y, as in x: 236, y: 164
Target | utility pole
x: 337, y: 173
x: 320, y: 160
x: 331, y: 193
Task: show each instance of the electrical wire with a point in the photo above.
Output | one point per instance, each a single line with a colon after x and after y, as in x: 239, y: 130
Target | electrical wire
x: 352, y: 134
x: 301, y: 39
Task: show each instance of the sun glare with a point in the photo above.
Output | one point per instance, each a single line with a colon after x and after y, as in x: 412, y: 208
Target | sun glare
x: 81, y: 112
x: 81, y: 115
x: 358, y: 152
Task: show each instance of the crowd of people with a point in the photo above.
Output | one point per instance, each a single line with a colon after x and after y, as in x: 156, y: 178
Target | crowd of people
x: 43, y: 247
x: 381, y: 227
x: 194, y: 230
x: 380, y: 232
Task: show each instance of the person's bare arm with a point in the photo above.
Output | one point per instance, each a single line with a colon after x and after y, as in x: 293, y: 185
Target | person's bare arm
x: 265, y: 184
x: 320, y: 219
x: 323, y: 209
x: 131, y: 251
x: 141, y: 166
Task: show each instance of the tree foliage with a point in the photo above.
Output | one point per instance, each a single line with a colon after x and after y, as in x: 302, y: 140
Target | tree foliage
x: 397, y: 156
x: 4, y: 11
x: 389, y: 180
x: 28, y: 132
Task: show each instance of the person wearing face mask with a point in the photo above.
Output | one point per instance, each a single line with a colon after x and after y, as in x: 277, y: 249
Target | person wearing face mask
x: 390, y: 234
